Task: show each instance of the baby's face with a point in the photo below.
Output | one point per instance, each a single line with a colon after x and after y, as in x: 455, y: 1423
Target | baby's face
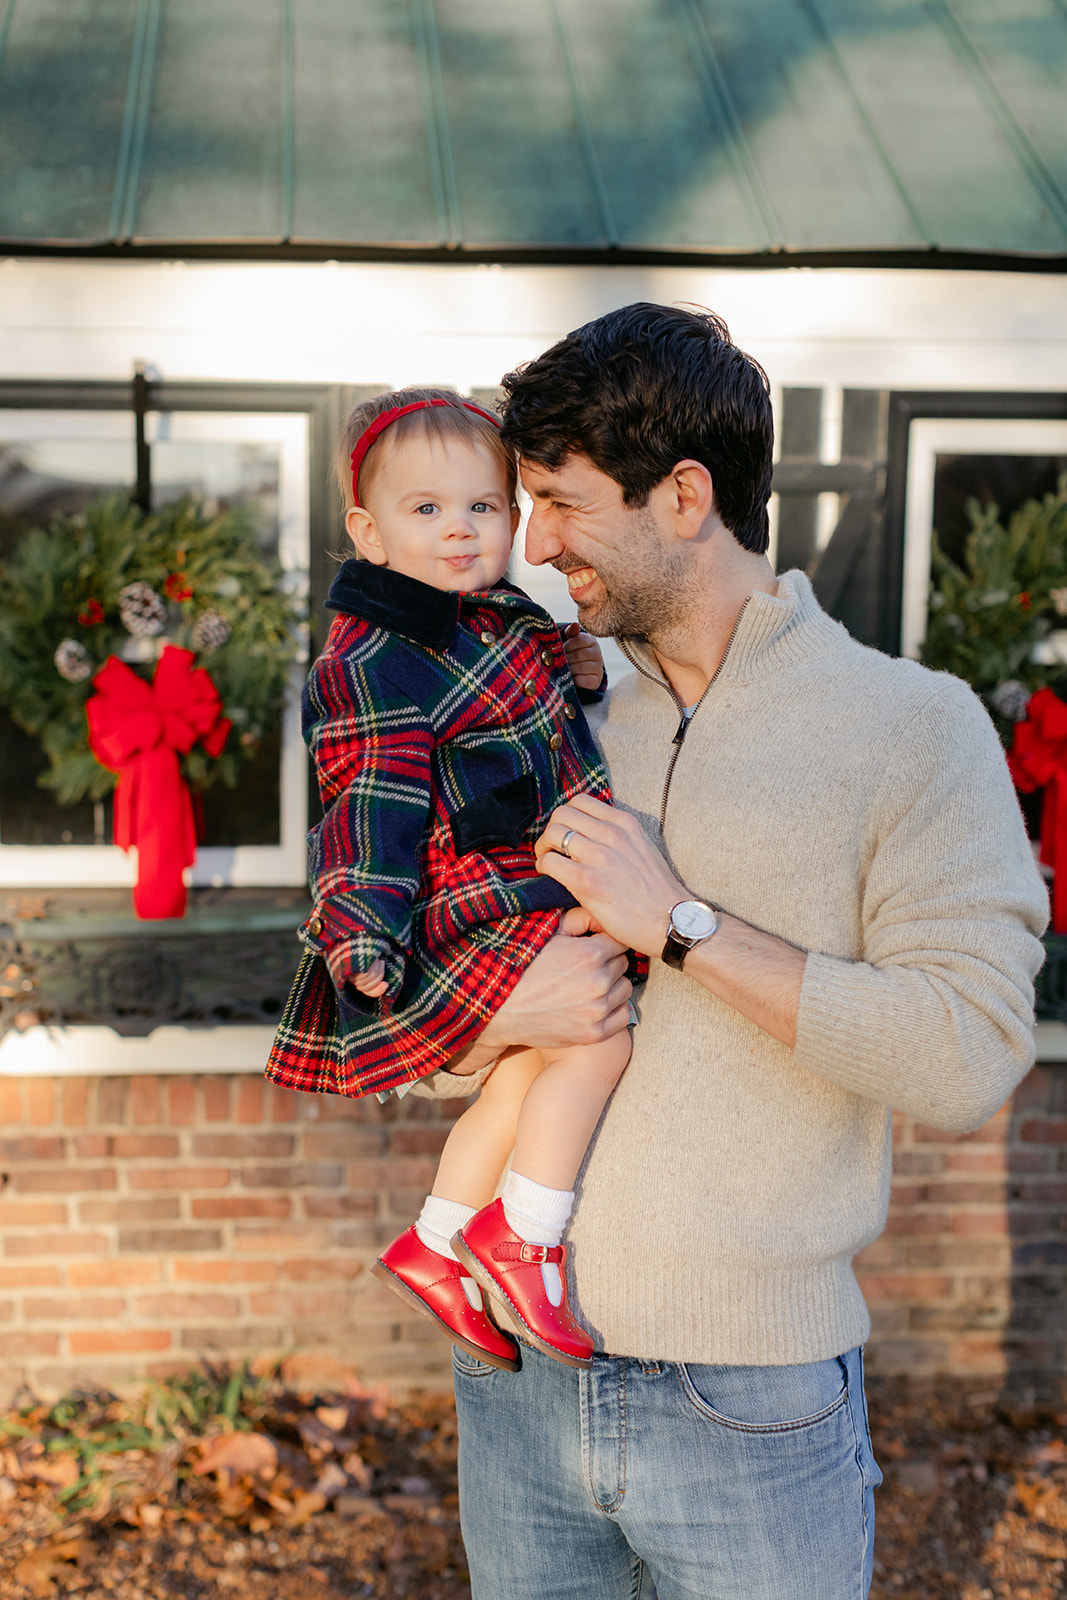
x: 438, y: 510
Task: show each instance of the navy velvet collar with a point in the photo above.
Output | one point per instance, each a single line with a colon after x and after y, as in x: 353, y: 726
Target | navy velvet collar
x: 403, y: 605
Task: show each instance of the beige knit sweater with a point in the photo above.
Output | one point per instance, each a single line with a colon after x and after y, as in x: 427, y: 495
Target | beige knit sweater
x: 860, y: 807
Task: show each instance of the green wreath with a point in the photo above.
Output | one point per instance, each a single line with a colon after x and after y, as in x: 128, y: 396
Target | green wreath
x: 114, y: 580
x: 998, y: 618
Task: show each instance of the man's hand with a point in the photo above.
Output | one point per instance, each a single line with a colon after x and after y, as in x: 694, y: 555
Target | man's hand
x: 584, y: 657
x: 617, y: 873
x: 614, y: 870
x: 573, y: 992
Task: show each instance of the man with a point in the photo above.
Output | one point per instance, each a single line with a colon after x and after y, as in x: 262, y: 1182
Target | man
x: 820, y: 848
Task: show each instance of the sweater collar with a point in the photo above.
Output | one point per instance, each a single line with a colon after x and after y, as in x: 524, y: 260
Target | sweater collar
x: 403, y: 605
x: 773, y: 630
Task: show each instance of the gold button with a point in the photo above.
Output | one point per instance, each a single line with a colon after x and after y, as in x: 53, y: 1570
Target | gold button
x: 529, y: 688
x: 556, y: 742
x: 546, y: 658
x: 314, y: 926
x: 487, y: 637
x: 569, y: 712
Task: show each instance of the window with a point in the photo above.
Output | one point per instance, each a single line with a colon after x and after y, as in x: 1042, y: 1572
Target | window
x: 64, y: 445
x: 943, y: 449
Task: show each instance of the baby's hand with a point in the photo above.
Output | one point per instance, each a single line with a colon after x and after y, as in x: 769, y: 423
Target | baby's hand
x: 583, y: 657
x: 372, y: 982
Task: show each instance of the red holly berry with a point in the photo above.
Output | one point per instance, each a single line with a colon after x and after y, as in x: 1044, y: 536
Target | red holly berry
x: 176, y: 586
x: 1024, y: 600
x: 92, y: 615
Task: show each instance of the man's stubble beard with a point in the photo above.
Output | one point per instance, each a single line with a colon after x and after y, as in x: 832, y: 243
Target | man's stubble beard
x: 646, y: 592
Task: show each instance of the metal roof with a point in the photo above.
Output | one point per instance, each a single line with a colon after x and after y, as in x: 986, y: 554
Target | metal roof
x: 554, y: 128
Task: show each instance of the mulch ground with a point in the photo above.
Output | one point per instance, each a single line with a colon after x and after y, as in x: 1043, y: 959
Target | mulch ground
x: 230, y: 1483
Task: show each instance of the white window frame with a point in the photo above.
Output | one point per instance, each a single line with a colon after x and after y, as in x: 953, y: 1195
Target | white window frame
x: 284, y: 864
x: 928, y: 438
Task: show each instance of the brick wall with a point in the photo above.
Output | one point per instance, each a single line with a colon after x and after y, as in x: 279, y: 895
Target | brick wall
x: 146, y: 1222
x: 970, y: 1275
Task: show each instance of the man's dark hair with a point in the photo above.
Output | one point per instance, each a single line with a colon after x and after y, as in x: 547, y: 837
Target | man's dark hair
x: 641, y: 389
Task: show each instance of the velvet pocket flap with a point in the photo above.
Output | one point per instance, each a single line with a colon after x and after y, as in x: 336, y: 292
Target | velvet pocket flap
x: 500, y: 816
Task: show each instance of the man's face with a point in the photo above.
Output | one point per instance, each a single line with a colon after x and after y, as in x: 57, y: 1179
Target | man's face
x: 625, y: 574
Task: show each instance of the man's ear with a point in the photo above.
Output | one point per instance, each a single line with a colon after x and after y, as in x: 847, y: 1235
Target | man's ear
x: 359, y: 525
x: 692, y: 497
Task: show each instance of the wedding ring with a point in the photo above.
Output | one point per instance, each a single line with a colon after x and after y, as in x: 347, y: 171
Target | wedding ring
x: 564, y: 846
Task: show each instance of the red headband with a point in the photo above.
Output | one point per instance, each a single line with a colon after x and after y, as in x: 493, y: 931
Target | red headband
x: 379, y: 425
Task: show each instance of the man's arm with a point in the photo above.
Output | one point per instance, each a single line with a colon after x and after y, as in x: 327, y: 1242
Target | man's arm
x: 933, y: 1014
x: 619, y: 875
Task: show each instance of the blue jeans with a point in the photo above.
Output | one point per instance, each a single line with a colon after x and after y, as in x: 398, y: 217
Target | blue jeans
x: 646, y: 1480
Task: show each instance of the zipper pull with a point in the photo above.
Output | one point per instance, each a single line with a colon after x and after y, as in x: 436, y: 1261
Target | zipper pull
x: 683, y: 729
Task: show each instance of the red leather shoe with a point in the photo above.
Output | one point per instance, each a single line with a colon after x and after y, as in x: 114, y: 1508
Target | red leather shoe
x: 506, y: 1264
x: 431, y: 1283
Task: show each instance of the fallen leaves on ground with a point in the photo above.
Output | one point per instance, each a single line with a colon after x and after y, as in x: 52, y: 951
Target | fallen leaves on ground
x: 227, y: 1482
x: 224, y: 1483
x: 974, y: 1504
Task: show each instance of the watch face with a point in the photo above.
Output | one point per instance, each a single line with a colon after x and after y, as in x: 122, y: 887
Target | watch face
x: 693, y: 919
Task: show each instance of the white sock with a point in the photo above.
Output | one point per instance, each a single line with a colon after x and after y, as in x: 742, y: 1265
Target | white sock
x: 438, y: 1220
x: 538, y: 1215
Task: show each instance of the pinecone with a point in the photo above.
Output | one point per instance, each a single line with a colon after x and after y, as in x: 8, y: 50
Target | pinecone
x: 1011, y: 699
x: 211, y: 630
x: 142, y: 611
x: 72, y: 661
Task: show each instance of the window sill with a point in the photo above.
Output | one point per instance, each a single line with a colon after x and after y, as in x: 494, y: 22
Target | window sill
x: 225, y: 967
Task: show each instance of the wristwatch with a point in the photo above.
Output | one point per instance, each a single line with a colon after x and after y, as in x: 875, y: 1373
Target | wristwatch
x: 692, y: 921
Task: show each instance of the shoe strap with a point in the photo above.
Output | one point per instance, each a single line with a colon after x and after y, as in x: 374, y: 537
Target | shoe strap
x: 535, y: 1253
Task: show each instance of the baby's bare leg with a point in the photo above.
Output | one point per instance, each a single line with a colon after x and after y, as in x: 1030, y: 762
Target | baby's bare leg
x: 479, y: 1144
x: 562, y: 1107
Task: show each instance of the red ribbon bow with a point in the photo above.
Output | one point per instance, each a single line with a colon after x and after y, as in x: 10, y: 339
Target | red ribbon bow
x: 1038, y: 760
x: 139, y: 730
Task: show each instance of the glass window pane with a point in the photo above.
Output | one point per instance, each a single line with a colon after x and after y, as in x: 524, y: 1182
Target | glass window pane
x: 52, y: 463
x: 1004, y: 481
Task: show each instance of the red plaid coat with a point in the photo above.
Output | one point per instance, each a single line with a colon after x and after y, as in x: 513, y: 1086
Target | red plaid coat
x: 445, y: 728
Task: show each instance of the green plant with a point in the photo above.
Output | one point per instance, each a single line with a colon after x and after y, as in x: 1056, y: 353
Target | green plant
x: 115, y: 581
x: 990, y: 617
x: 87, y: 1432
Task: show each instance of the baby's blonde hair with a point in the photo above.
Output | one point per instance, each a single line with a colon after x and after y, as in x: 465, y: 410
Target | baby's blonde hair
x: 450, y: 421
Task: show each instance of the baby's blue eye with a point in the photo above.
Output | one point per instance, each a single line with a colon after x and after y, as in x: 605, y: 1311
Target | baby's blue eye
x: 480, y: 505
x: 427, y: 509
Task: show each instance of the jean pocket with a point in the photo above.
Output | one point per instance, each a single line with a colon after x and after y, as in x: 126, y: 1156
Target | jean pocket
x: 766, y: 1399
x: 470, y: 1366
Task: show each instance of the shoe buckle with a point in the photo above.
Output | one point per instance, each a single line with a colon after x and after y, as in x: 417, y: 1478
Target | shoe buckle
x: 538, y: 1253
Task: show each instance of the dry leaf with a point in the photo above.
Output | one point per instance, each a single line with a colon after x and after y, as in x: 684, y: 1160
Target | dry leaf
x: 239, y: 1455
x: 315, y: 1435
x: 277, y: 1502
x: 305, y: 1507
x: 331, y: 1480
x: 38, y: 1569
x: 235, y: 1503
x: 1054, y: 1451
x: 333, y: 1417
x: 61, y: 1471
x: 358, y: 1470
